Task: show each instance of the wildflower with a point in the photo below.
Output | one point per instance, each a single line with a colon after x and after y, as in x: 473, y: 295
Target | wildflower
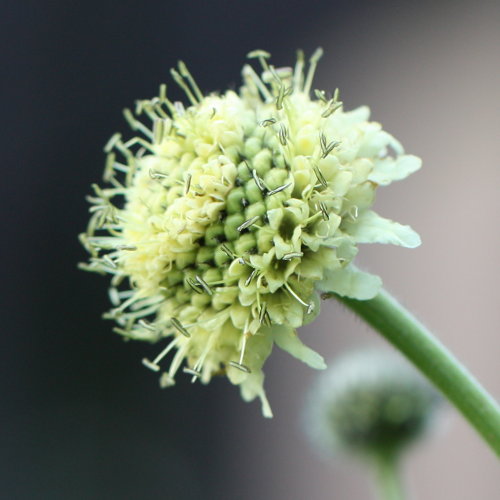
x: 223, y: 220
x: 370, y: 403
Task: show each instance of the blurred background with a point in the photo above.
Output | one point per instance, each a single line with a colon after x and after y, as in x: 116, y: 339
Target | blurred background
x: 81, y: 417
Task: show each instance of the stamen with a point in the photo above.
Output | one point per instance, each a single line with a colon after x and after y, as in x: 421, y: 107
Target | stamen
x: 283, y: 134
x: 194, y: 286
x: 166, y: 380
x: 156, y: 175
x: 109, y: 261
x: 158, y: 130
x: 298, y: 74
x: 258, y: 181
x: 178, y: 326
x: 267, y: 122
x: 324, y: 210
x: 188, y: 183
x: 251, y: 277
x: 126, y: 247
x: 249, y: 72
x: 248, y: 223
x: 136, y: 124
x: 262, y: 312
x: 240, y: 367
x: 112, y: 142
x: 204, y: 285
x: 113, y: 296
x: 261, y: 55
x: 297, y: 298
x: 196, y: 374
x: 227, y: 251
x: 320, y: 95
x: 108, y: 169
x: 326, y: 148
x: 148, y: 326
x: 187, y: 75
x: 292, y: 255
x: 313, y: 62
x: 182, y: 84
x: 279, y: 189
x: 331, y: 108
x: 151, y: 365
x: 165, y: 351
x: 280, y: 97
x: 320, y: 176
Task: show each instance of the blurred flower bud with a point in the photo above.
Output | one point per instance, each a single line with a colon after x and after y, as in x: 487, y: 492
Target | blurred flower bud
x: 370, y: 402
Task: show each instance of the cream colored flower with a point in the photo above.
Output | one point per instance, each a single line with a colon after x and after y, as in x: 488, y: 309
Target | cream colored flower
x: 221, y: 221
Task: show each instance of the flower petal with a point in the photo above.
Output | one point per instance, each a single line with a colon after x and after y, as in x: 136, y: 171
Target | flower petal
x: 388, y: 170
x: 288, y: 340
x: 351, y: 282
x: 370, y: 227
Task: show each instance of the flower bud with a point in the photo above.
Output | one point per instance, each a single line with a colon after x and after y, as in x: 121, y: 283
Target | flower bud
x: 370, y: 402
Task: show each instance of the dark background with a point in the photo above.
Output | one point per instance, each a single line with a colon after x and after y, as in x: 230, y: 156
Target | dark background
x: 81, y: 418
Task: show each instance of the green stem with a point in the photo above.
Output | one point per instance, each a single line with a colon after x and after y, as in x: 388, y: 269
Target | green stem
x: 389, y: 481
x: 405, y: 333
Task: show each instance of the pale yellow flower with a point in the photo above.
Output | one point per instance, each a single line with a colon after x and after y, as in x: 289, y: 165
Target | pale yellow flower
x: 223, y: 220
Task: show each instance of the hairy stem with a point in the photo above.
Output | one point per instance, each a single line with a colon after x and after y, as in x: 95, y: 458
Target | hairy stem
x: 408, y: 335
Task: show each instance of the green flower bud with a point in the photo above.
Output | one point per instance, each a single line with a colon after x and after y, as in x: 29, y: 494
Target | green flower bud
x: 370, y: 402
x: 269, y: 187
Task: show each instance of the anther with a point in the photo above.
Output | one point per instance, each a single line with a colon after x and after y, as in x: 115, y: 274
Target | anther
x: 280, y: 97
x: 188, y: 183
x: 112, y: 142
x: 178, y: 326
x: 292, y: 255
x: 248, y: 223
x: 156, y: 175
x: 258, y: 181
x: 267, y: 122
x: 319, y: 176
x: 227, y: 251
x: 149, y: 364
x: 194, y: 286
x: 158, y: 130
x: 279, y: 189
x: 320, y: 95
x: 324, y: 210
x: 251, y: 277
x: 204, y: 285
x: 130, y: 248
x: 240, y: 366
x: 166, y: 380
x: 261, y: 55
x: 283, y: 134
x: 326, y: 148
x: 196, y: 374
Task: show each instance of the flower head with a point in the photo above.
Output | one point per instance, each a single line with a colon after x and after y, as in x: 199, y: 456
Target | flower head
x: 370, y: 402
x: 222, y: 220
